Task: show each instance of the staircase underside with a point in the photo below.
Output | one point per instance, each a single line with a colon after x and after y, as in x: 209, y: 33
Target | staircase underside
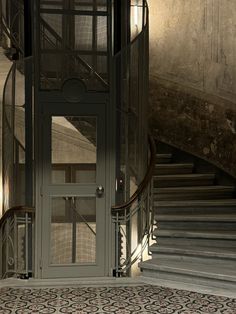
x: 195, y: 216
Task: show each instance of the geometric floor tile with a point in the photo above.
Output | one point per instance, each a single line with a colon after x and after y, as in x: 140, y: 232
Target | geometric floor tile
x: 109, y: 300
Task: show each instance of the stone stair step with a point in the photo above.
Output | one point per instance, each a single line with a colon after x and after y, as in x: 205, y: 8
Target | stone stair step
x: 198, y: 251
x: 197, y: 260
x: 173, y: 168
x: 196, y: 242
x: 200, y: 203
x: 163, y: 158
x: 202, y: 234
x: 188, y: 270
x: 194, y: 192
x: 198, y: 207
x: 197, y: 226
x: 192, y: 179
x: 196, y: 222
x: 196, y: 218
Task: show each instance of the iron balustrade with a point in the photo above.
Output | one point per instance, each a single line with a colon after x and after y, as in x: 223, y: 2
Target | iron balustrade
x: 16, y: 242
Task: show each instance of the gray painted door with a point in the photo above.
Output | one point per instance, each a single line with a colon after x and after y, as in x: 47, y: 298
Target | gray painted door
x: 73, y: 191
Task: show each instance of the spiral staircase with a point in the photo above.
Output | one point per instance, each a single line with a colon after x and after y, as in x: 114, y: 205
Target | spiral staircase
x: 194, y: 216
x: 195, y: 222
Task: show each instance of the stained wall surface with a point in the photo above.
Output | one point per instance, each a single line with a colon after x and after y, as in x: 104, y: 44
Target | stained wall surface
x: 193, y: 42
x: 193, y: 52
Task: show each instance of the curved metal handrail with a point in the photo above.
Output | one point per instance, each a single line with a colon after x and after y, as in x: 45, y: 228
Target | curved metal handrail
x: 144, y: 182
x: 16, y: 210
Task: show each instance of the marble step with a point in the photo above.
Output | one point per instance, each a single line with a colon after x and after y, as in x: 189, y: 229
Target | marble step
x: 179, y: 241
x: 210, y: 275
x: 197, y: 226
x: 196, y: 222
x: 197, y: 260
x: 193, y: 179
x: 196, y: 218
x: 217, y: 206
x: 202, y: 234
x: 194, y: 192
x: 172, y: 168
x: 194, y: 251
x: 163, y: 158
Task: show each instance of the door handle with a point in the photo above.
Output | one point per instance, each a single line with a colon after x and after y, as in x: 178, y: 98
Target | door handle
x: 100, y: 191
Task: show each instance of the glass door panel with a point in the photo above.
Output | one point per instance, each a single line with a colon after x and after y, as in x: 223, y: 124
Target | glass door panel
x: 73, y: 230
x: 74, y: 149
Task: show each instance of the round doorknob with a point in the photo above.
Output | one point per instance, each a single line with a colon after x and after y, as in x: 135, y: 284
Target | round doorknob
x: 100, y: 191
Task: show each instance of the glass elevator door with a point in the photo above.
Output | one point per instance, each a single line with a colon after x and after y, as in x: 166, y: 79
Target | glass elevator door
x: 73, y: 191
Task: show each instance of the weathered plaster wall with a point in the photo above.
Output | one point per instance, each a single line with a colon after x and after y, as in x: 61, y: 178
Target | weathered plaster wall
x: 193, y: 42
x: 201, y: 127
x: 193, y: 76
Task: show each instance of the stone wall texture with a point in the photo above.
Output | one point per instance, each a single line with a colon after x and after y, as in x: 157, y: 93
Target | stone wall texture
x: 193, y: 77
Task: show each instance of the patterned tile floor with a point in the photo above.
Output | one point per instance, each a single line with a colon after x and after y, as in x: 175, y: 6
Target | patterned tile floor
x: 109, y: 300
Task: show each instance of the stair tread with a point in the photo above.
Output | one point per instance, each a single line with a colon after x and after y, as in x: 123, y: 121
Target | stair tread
x: 191, y: 203
x: 195, y: 188
x: 216, y: 234
x: 165, y: 155
x: 196, y: 269
x: 194, y: 217
x: 174, y: 165
x: 196, y: 250
x: 185, y: 176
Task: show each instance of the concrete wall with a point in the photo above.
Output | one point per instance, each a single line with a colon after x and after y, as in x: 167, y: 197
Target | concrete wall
x: 193, y: 54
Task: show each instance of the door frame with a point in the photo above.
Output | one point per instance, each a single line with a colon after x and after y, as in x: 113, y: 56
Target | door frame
x: 46, y: 99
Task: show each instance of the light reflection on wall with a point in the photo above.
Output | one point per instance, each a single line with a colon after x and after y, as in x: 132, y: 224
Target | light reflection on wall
x: 136, y: 17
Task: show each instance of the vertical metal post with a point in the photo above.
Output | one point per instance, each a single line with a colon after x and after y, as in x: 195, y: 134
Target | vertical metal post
x: 17, y: 173
x: 26, y: 243
x: 15, y: 243
x: 73, y: 216
x: 7, y: 245
x: 12, y: 185
x: 28, y: 104
x: 117, y: 244
x: 94, y: 36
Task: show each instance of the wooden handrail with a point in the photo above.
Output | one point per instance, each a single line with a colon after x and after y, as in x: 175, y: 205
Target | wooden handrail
x: 16, y: 210
x: 145, y: 181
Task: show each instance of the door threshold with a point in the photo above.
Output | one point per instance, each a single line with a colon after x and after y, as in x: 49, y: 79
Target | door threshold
x: 58, y: 282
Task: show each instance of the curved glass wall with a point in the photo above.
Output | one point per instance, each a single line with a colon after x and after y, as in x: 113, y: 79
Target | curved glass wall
x: 13, y: 136
x: 131, y: 77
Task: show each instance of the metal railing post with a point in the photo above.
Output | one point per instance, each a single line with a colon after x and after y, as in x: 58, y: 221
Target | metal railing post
x: 7, y: 245
x: 15, y: 243
x: 26, y: 244
x: 117, y: 244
